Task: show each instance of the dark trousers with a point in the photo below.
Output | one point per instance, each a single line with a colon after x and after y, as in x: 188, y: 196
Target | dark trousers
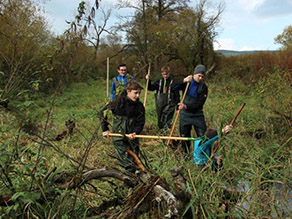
x: 124, y: 158
x: 185, y: 131
x: 165, y: 115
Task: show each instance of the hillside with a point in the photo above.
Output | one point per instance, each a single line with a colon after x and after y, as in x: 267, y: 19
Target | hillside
x: 238, y: 53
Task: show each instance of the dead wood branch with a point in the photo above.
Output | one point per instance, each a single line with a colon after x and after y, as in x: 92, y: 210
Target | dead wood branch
x: 146, y: 189
x: 169, y: 198
x: 71, y: 180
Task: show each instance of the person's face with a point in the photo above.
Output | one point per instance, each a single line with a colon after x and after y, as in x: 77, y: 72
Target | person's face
x: 133, y: 94
x: 198, y: 77
x: 122, y: 70
x: 165, y: 74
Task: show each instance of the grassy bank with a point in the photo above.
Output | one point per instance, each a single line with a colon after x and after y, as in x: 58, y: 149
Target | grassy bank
x: 257, y: 153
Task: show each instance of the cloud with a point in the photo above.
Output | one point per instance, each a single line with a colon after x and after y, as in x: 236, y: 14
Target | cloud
x: 227, y: 44
x: 273, y: 8
x: 250, y: 5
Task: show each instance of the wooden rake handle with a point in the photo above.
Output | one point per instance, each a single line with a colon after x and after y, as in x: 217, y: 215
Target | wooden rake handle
x: 154, y: 137
x: 237, y: 114
x: 177, y: 113
x: 231, y: 123
x: 147, y: 83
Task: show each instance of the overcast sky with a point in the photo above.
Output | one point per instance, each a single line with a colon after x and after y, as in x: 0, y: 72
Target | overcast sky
x: 245, y: 24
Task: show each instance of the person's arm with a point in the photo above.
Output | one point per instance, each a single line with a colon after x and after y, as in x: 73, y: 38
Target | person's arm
x: 181, y: 84
x: 113, y: 90
x: 200, y: 100
x: 153, y: 87
x: 103, y: 119
x: 205, y: 145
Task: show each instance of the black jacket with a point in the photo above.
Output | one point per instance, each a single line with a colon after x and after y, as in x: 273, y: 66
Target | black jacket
x: 123, y: 106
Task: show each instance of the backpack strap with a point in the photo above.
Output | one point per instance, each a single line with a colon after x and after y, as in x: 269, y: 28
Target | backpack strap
x: 169, y: 90
x: 159, y: 88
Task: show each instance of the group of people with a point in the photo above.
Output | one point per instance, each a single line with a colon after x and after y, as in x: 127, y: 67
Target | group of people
x: 129, y: 113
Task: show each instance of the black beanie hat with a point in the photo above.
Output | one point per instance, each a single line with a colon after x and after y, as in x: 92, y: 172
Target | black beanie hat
x: 200, y: 69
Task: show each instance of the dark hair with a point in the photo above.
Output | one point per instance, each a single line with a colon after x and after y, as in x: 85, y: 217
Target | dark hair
x: 134, y: 85
x: 121, y: 65
x: 211, y: 133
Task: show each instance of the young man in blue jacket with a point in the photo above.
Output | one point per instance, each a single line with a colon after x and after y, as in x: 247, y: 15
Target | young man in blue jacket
x: 119, y: 83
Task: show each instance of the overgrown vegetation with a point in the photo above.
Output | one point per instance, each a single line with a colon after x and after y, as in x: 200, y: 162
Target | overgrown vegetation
x: 257, y: 154
x: 52, y: 89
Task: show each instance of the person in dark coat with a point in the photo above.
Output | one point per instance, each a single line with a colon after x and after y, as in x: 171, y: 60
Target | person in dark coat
x: 166, y: 98
x: 192, y: 114
x: 129, y: 118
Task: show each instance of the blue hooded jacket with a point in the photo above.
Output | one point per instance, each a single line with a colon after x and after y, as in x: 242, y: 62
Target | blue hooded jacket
x: 202, y: 152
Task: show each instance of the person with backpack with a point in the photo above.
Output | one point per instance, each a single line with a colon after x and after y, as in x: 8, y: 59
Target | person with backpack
x: 129, y: 118
x: 119, y: 83
x: 192, y: 114
x: 166, y: 98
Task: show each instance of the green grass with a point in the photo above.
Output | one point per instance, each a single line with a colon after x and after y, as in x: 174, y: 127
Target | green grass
x: 260, y: 162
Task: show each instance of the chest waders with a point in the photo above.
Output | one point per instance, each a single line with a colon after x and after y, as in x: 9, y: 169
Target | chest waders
x: 189, y: 119
x: 124, y: 125
x: 165, y: 105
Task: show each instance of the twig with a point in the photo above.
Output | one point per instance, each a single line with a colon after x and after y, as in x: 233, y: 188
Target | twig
x: 42, y: 142
x: 58, y: 150
x: 8, y: 179
x: 49, y: 173
x: 193, y: 185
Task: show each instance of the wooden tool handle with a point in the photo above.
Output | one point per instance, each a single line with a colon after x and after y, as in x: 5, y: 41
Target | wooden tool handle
x: 154, y: 137
x: 237, y: 114
x: 147, y: 83
x: 177, y: 113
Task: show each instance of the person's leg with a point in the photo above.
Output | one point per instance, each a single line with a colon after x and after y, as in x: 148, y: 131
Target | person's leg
x: 200, y: 126
x: 185, y: 131
x: 168, y: 115
x: 159, y: 111
x: 161, y: 104
x: 124, y: 158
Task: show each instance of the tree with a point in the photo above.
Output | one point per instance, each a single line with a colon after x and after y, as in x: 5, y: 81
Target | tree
x: 173, y: 29
x: 196, y: 32
x: 23, y: 34
x: 88, y: 26
x: 142, y: 30
x: 285, y: 38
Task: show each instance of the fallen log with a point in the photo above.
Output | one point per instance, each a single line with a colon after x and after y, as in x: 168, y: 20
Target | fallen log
x: 71, y: 180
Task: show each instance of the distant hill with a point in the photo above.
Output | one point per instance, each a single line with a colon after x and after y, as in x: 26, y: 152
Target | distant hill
x: 237, y: 53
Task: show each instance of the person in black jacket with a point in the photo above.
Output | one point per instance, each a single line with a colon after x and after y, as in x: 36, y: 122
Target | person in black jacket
x: 192, y: 108
x: 129, y: 118
x: 166, y: 98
